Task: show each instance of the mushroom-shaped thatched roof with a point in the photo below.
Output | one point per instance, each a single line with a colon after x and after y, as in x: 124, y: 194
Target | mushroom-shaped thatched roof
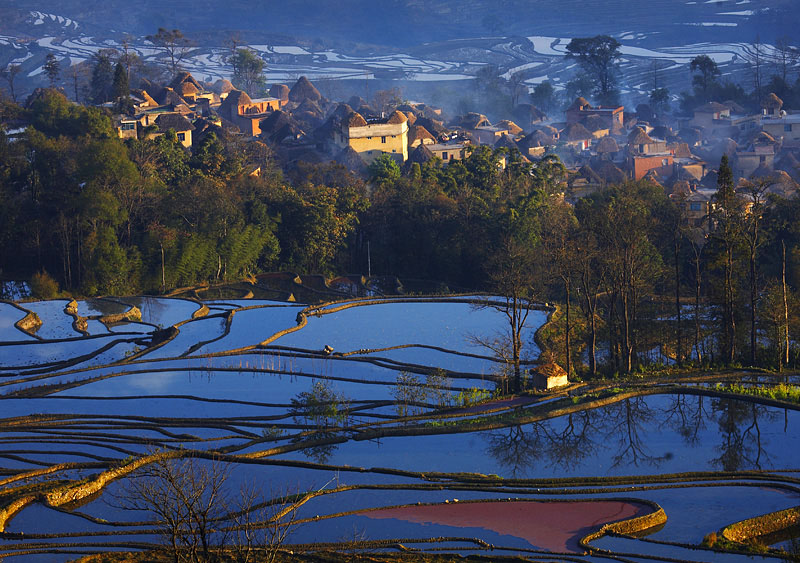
x: 580, y: 103
x: 145, y: 97
x: 680, y: 188
x: 237, y: 98
x: 411, y: 116
x: 639, y: 137
x: 763, y: 171
x: 279, y: 91
x: 505, y: 141
x: 170, y: 97
x: 434, y: 126
x: 187, y: 89
x: 421, y: 155
x: 588, y: 173
x: 279, y: 125
x: 595, y: 123
x: 771, y: 101
x: 610, y: 173
x: 303, y: 90
x: 397, y: 117
x: 607, y: 145
x: 419, y: 133
x: 471, y: 120
x: 548, y: 129
x: 789, y: 163
x: 310, y: 106
x: 512, y: 127
x: 174, y: 121
x: 349, y: 159
x: 576, y: 132
x: 222, y: 86
x: 735, y: 108
x: 764, y: 138
x: 355, y: 119
x: 341, y: 112
x: 183, y: 78
x: 550, y: 369
x: 681, y: 150
x: 710, y: 107
x: 528, y: 113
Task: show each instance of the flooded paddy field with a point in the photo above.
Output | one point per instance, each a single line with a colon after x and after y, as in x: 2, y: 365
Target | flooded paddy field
x: 360, y: 426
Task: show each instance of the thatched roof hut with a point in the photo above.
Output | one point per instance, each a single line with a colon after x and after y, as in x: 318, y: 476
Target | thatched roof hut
x: 771, y: 101
x: 639, y: 137
x: 607, y: 145
x: 576, y: 132
x: 222, y: 86
x: 548, y: 376
x: 512, y: 127
x: 304, y: 90
x: 279, y: 91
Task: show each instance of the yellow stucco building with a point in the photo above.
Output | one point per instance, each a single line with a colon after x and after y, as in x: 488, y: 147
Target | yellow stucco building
x: 372, y: 138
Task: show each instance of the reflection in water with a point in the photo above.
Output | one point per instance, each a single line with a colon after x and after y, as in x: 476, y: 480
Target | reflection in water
x: 516, y: 448
x: 625, y: 424
x: 624, y: 434
x: 686, y: 415
x: 741, y: 446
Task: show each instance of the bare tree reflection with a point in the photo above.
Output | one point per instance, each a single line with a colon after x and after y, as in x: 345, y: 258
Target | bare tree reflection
x: 686, y: 414
x: 569, y: 446
x: 516, y: 448
x: 742, y: 446
x: 563, y: 444
x: 625, y: 424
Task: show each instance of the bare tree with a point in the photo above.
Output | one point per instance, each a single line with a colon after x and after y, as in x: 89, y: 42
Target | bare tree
x: 261, y: 528
x: 785, y: 57
x: 188, y: 501
x: 9, y: 74
x: 512, y: 278
x: 173, y: 44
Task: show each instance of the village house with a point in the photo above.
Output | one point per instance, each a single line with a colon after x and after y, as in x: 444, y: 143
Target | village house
x: 612, y: 118
x: 371, y: 138
x: 247, y: 113
x: 760, y: 152
x: 453, y: 150
x: 779, y: 124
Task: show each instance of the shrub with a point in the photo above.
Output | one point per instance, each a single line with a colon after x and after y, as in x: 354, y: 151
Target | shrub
x: 43, y: 285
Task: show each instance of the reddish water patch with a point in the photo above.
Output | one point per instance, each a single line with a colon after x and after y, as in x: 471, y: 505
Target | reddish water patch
x: 554, y: 526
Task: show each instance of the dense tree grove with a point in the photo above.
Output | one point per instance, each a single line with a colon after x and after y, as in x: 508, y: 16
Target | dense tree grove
x: 102, y: 215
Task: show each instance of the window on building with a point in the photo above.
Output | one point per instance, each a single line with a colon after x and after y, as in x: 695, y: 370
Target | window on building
x: 762, y: 159
x: 444, y: 155
x: 641, y: 148
x: 664, y: 162
x: 128, y: 126
x: 383, y: 139
x: 393, y: 150
x: 787, y: 127
x: 369, y: 138
x: 182, y: 137
x: 695, y: 206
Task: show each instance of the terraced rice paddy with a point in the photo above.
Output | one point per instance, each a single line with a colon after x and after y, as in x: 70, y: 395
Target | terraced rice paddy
x: 240, y: 390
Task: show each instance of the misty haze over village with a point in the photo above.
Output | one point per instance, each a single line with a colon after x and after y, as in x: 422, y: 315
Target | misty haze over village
x: 399, y: 280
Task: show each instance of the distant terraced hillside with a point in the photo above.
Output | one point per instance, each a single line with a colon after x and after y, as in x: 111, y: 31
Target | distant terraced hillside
x: 400, y: 23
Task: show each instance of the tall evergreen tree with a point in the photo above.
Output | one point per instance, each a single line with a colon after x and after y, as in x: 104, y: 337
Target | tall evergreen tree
x: 102, y: 77
x: 119, y: 87
x: 52, y: 68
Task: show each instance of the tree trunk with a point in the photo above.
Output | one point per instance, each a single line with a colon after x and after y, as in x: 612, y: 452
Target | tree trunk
x: 697, y: 285
x: 753, y: 297
x: 567, y: 328
x: 679, y: 351
x: 785, y: 304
